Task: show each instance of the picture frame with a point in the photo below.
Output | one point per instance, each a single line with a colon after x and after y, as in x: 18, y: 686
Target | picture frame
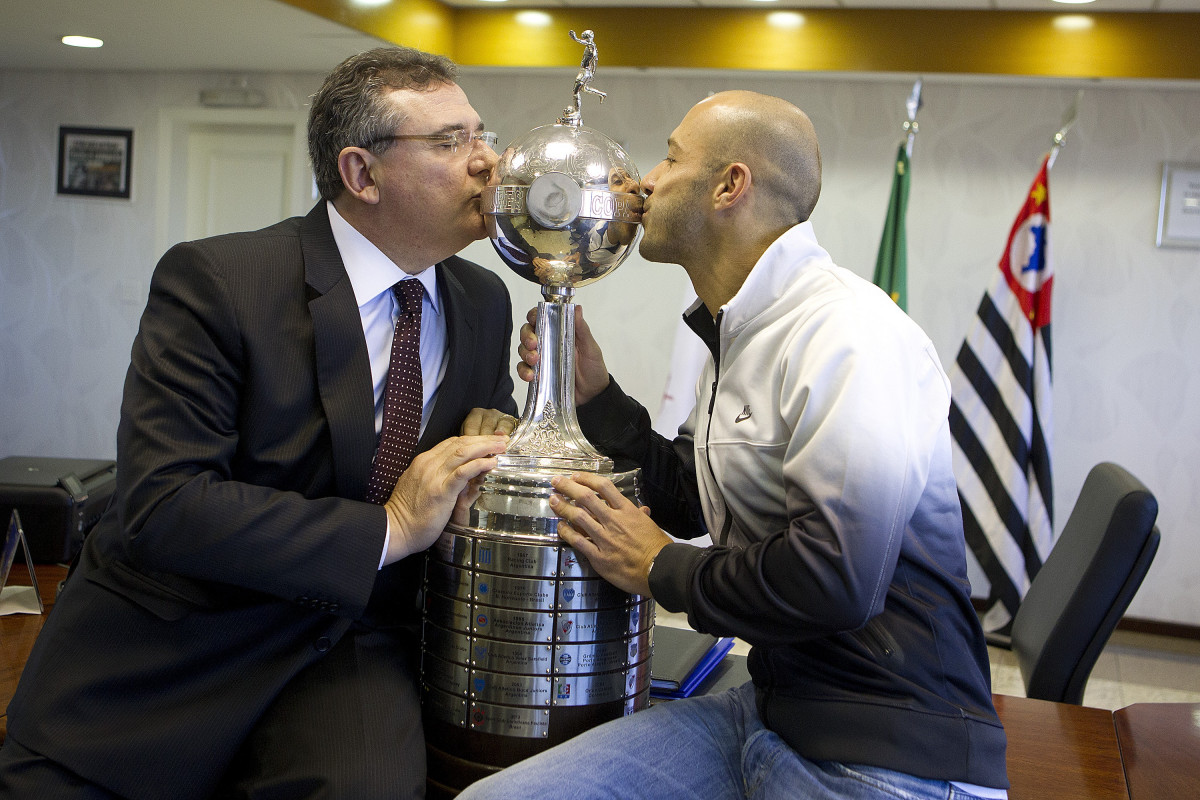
x: 95, y: 162
x: 1179, y: 206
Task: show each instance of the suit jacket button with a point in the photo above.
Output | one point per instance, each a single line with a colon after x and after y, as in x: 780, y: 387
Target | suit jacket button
x: 322, y: 644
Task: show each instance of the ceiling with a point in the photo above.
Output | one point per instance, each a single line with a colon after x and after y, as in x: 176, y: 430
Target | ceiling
x: 155, y: 35
x: 1005, y: 5
x: 267, y: 35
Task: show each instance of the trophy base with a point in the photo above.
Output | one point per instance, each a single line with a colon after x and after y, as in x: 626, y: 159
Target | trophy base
x: 523, y: 644
x: 517, y: 501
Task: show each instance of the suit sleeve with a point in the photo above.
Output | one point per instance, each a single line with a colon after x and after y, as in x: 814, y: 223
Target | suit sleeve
x: 196, y: 504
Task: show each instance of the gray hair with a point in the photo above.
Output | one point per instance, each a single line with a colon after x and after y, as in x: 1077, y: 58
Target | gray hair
x: 349, y: 109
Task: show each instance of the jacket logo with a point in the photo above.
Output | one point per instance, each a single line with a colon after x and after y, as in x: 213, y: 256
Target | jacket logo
x: 745, y: 415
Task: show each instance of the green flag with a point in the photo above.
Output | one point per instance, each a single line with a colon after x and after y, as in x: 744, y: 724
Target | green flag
x: 891, y: 265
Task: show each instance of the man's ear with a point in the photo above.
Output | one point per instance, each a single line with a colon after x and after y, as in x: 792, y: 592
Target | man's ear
x: 733, y: 186
x: 355, y: 165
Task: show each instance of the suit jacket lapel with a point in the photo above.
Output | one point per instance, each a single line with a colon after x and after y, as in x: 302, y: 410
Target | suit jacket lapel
x: 342, y: 365
x: 461, y: 314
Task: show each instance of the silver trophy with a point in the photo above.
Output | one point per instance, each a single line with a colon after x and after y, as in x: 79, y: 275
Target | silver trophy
x: 524, y: 645
x: 563, y: 210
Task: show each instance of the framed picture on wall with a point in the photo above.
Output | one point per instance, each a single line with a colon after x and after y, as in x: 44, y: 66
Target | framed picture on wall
x: 1179, y: 206
x: 95, y: 161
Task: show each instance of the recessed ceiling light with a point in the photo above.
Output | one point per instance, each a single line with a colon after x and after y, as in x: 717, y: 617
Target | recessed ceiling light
x: 534, y: 19
x: 82, y: 41
x: 370, y: 3
x: 1075, y: 2
x: 1073, y: 22
x: 785, y: 19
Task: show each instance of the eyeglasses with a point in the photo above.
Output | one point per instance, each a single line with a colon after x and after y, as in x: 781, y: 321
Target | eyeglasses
x: 452, y: 140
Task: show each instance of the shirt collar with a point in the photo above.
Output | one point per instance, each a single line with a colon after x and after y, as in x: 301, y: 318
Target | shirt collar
x: 370, y: 271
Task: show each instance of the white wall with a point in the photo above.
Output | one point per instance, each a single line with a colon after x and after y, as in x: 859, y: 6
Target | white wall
x: 74, y: 272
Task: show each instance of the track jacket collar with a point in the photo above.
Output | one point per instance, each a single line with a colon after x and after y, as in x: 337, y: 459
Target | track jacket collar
x: 774, y: 276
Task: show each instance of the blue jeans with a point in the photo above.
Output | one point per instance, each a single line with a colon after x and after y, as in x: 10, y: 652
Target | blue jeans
x: 701, y: 748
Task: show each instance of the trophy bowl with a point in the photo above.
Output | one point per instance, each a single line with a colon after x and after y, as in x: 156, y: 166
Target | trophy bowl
x: 562, y: 207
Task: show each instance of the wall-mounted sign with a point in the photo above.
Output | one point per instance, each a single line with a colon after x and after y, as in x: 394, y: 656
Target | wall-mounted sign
x: 1179, y: 206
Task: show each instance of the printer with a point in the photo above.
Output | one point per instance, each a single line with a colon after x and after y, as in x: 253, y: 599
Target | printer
x: 59, y: 500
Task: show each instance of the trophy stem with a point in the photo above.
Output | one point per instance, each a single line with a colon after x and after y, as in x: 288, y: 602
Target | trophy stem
x: 548, y: 435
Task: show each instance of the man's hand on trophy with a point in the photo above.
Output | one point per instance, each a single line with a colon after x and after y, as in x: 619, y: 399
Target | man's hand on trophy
x: 486, y: 421
x: 617, y: 538
x: 591, y: 375
x: 440, y: 483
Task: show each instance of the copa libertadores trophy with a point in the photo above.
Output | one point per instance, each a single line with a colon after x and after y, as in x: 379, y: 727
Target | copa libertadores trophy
x: 524, y: 645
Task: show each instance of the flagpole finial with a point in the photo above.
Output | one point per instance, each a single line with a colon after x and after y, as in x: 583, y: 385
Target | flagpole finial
x: 1060, y: 138
x: 912, y: 105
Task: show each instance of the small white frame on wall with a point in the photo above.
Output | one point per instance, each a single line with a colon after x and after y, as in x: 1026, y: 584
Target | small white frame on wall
x: 1179, y: 206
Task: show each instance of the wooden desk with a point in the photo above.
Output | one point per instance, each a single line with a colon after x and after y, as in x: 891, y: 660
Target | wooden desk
x: 1160, y: 746
x: 18, y: 631
x: 1061, y: 751
x: 1055, y: 750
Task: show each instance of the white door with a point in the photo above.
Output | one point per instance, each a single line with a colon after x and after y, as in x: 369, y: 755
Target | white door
x: 238, y: 178
x: 230, y: 170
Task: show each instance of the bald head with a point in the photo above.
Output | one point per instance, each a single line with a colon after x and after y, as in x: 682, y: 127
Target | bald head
x: 772, y: 137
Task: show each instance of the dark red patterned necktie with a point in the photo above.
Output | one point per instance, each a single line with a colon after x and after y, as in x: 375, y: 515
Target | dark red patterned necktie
x: 402, y: 397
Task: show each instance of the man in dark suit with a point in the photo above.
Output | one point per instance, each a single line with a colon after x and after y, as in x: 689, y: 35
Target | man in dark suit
x: 242, y: 623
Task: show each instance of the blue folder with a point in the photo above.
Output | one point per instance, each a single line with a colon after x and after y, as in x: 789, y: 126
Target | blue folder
x: 682, y: 660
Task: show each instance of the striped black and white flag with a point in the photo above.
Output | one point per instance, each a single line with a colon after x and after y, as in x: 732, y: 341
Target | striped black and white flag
x: 1000, y: 416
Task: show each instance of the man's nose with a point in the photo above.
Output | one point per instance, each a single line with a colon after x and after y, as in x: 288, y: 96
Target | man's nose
x: 483, y: 158
x: 649, y: 181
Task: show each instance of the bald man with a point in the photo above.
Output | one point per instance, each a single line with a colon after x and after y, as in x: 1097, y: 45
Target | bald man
x: 818, y: 457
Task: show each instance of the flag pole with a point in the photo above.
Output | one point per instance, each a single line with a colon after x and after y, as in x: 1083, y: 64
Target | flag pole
x: 891, y: 263
x: 1060, y: 138
x: 912, y: 105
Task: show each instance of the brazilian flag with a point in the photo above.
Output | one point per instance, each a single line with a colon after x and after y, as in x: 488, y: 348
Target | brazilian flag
x: 891, y: 265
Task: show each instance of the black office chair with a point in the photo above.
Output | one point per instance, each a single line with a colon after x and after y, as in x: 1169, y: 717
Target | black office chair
x: 1087, y: 582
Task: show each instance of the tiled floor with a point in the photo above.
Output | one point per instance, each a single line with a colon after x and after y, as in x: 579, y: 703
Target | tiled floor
x: 1134, y: 668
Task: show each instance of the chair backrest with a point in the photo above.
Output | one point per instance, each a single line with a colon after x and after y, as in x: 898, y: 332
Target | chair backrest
x: 1085, y: 585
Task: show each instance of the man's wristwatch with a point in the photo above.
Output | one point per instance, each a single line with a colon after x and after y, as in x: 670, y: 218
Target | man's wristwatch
x: 650, y: 569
